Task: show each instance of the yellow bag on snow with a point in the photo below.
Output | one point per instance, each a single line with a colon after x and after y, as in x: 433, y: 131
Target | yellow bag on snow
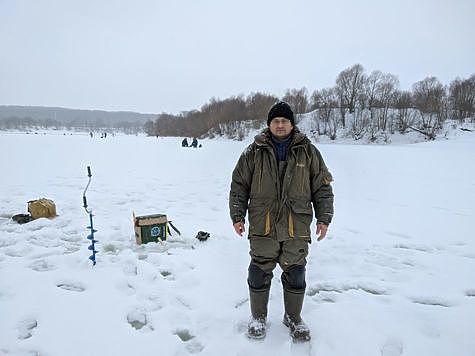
x: 42, y: 208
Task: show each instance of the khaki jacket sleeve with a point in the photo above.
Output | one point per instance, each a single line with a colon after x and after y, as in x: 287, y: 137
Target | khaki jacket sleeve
x: 241, y: 186
x: 322, y: 192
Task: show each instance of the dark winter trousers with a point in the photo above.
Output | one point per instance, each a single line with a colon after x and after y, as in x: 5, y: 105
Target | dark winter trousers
x: 291, y: 257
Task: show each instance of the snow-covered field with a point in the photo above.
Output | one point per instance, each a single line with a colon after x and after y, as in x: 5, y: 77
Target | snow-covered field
x: 396, y: 275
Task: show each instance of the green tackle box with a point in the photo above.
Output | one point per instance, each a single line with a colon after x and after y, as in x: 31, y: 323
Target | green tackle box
x: 150, y: 228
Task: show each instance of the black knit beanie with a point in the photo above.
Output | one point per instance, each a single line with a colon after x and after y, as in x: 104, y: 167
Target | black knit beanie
x: 280, y: 109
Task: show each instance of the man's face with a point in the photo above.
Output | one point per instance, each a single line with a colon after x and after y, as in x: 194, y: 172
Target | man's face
x: 280, y: 127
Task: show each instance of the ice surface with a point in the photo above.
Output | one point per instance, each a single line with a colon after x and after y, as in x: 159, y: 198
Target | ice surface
x: 395, y: 275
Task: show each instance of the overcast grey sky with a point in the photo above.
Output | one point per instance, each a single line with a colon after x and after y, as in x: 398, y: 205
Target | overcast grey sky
x: 167, y: 56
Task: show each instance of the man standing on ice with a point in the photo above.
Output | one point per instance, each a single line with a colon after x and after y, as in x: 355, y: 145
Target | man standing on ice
x: 276, y: 180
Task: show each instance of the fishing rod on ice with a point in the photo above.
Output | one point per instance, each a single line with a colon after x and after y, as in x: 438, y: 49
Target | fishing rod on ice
x: 90, y: 237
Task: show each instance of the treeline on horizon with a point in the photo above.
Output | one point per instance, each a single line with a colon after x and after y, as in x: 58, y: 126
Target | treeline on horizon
x: 38, y: 117
x: 17, y: 123
x: 361, y: 104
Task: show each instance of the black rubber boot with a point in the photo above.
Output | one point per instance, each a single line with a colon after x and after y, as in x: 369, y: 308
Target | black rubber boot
x: 293, y: 302
x: 258, y: 298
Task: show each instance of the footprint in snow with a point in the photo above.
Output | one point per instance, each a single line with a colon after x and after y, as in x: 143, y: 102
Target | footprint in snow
x: 18, y: 252
x: 39, y: 225
x: 155, y: 302
x: 42, y: 266
x: 26, y: 327
x: 353, y: 231
x: 325, y: 287
x: 71, y: 286
x: 130, y: 269
x: 72, y: 236
x: 60, y: 224
x: 126, y: 288
x: 184, y: 335
x: 241, y: 327
x: 12, y: 229
x: 470, y: 293
x: 420, y: 248
x: 240, y: 303
x: 398, y: 234
x: 392, y: 347
x: 167, y: 275
x: 431, y: 302
x: 192, y: 345
x: 71, y: 249
x: 138, y: 320
x: 7, y: 242
x: 325, y: 297
x: 110, y: 248
x: 142, y: 257
x: 184, y: 302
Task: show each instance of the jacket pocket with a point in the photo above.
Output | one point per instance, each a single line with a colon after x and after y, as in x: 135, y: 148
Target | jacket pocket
x: 300, y: 218
x: 259, y: 218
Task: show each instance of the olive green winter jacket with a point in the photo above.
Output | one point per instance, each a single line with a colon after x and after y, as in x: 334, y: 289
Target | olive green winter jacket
x: 281, y: 212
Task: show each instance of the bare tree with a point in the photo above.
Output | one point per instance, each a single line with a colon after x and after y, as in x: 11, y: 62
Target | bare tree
x: 462, y: 98
x: 429, y: 97
x: 332, y: 125
x: 405, y: 114
x: 371, y: 85
x: 324, y: 102
x: 258, y: 105
x: 359, y: 125
x: 374, y: 102
x: 217, y: 117
x: 149, y: 128
x: 349, y: 86
x: 297, y: 99
x: 385, y: 94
